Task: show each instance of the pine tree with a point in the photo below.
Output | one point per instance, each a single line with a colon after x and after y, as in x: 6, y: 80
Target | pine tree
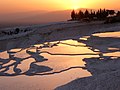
x: 80, y: 15
x: 105, y: 13
x: 73, y: 15
x: 92, y: 15
x: 97, y: 14
x: 86, y: 14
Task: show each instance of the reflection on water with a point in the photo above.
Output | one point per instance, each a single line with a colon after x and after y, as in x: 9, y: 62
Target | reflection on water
x: 69, y: 47
x: 112, y: 43
x: 114, y: 54
x: 74, y: 57
x: 48, y: 82
x: 108, y: 34
x: 66, y: 62
x: 4, y: 55
x: 113, y: 48
x: 59, y: 62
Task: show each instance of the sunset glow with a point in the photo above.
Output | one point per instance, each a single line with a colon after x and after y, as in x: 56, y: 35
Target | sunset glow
x: 52, y: 5
x: 75, y: 4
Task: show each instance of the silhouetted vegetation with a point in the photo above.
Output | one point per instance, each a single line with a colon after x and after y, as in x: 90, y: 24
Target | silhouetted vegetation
x: 113, y: 19
x: 118, y: 13
x: 101, y: 14
x: 73, y: 15
x: 13, y: 32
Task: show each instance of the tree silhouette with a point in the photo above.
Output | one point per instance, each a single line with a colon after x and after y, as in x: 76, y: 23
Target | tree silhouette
x: 100, y: 14
x: 111, y: 12
x: 105, y: 14
x: 92, y: 15
x: 86, y: 14
x: 118, y: 13
x: 80, y: 15
x: 73, y: 15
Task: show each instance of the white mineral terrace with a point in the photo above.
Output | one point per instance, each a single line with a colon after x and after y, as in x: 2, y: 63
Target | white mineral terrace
x: 62, y: 56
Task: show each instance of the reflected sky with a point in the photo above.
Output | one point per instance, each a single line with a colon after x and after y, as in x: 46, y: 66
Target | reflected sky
x: 59, y: 57
x: 108, y: 34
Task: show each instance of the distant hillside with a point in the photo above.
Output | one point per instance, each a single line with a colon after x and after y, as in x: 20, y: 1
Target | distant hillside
x: 34, y: 17
x: 13, y: 16
x: 54, y: 16
x: 14, y: 19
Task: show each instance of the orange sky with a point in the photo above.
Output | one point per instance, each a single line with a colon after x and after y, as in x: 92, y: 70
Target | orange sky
x: 51, y: 5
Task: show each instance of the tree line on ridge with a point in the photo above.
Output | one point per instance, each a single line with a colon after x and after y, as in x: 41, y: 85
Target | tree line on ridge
x: 100, y: 14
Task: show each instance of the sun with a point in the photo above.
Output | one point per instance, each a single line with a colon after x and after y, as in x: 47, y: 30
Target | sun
x: 75, y: 4
x: 75, y: 7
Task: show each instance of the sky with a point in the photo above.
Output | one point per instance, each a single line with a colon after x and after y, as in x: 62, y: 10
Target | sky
x: 52, y: 5
x: 22, y: 11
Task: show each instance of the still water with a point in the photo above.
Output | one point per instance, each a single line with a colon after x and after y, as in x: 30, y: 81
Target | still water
x: 63, y: 63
